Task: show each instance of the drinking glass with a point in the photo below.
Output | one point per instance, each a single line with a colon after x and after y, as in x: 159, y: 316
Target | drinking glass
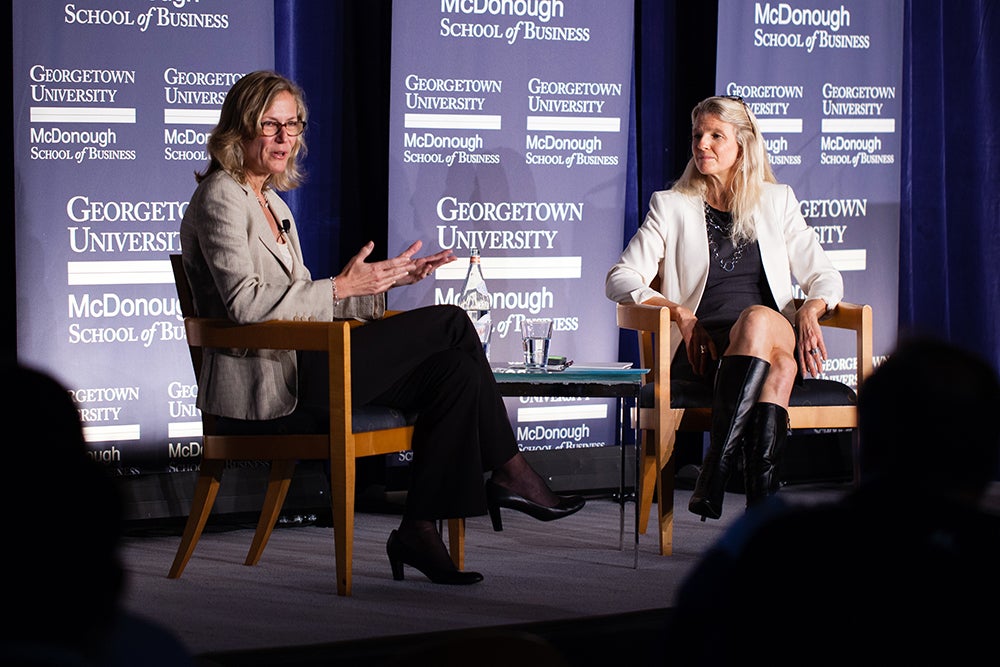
x: 536, y: 334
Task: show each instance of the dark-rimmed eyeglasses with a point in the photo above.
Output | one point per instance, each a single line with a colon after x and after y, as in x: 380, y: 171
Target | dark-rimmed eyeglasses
x: 746, y: 110
x: 293, y: 128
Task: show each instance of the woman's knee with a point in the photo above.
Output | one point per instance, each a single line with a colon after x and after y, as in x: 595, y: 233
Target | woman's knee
x: 451, y: 311
x: 457, y: 320
x: 759, y: 329
x: 756, y: 320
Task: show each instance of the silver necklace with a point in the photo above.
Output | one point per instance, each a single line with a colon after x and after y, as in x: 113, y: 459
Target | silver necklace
x: 712, y: 222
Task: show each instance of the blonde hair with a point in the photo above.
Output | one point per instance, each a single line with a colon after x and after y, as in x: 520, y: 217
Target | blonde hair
x: 753, y: 168
x: 239, y: 121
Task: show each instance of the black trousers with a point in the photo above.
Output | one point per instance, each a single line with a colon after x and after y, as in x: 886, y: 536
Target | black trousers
x: 430, y: 361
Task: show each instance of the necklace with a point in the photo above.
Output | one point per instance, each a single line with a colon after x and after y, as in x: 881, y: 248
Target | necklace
x: 262, y: 200
x: 723, y: 229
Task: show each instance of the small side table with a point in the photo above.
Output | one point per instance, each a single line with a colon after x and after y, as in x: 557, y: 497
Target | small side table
x: 580, y: 381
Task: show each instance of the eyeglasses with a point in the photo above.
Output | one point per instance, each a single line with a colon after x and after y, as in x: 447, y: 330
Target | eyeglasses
x: 293, y: 128
x: 746, y: 109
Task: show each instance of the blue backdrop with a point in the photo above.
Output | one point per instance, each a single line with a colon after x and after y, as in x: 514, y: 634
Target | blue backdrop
x: 949, y: 283
x: 948, y: 231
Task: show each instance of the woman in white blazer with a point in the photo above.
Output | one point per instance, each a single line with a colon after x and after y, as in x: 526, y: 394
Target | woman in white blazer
x: 242, y: 257
x: 724, y: 243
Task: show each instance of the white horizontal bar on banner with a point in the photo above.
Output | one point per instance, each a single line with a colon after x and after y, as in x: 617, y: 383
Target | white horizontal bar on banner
x: 562, y: 412
x: 516, y: 268
x: 184, y: 430
x: 849, y: 260
x: 451, y: 121
x: 82, y: 115
x: 780, y: 125
x: 108, y: 433
x: 835, y: 125
x: 191, y: 116
x: 147, y: 272
x: 573, y: 124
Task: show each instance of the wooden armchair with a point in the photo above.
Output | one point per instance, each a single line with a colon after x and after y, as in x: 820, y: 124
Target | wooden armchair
x: 353, y: 433
x: 666, y: 408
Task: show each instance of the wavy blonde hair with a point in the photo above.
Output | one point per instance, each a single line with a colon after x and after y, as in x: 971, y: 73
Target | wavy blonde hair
x: 753, y: 168
x: 239, y: 121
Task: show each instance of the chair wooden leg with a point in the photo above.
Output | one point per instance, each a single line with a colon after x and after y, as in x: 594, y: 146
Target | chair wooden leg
x: 205, y: 491
x: 666, y: 438
x: 648, y: 481
x: 342, y: 497
x: 665, y: 508
x: 278, y: 482
x: 456, y: 542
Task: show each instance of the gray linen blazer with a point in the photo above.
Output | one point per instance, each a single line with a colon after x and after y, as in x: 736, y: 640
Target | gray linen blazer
x: 238, y: 271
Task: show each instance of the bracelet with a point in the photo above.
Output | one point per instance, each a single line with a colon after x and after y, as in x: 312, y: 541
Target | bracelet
x: 333, y: 284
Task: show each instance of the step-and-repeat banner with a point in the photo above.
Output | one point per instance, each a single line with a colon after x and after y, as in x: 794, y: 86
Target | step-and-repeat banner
x: 824, y: 79
x: 508, y: 133
x: 113, y: 102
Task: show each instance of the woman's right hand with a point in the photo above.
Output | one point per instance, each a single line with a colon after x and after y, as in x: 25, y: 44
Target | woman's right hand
x: 700, y: 347
x: 361, y: 278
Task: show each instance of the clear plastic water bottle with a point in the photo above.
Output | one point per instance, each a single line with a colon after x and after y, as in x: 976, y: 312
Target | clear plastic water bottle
x: 475, y: 300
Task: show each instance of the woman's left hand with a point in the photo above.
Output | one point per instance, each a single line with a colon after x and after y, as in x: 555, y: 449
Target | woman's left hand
x: 810, y: 346
x: 423, y: 266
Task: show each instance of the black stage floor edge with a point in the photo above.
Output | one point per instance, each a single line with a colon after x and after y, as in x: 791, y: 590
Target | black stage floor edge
x: 635, y: 639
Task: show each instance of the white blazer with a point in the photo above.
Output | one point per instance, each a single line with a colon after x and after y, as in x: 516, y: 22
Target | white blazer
x: 671, y: 243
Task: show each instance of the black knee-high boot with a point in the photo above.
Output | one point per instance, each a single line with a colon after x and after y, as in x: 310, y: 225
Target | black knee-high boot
x: 737, y: 384
x: 763, y: 444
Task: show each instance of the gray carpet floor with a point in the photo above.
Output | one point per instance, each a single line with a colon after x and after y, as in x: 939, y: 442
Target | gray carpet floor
x: 565, y: 572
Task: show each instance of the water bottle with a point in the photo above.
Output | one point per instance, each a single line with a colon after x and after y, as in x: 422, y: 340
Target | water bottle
x: 475, y: 299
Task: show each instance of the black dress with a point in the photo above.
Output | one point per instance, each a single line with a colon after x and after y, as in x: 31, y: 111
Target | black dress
x: 736, y: 281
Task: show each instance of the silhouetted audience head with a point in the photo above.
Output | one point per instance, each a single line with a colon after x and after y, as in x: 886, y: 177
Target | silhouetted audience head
x: 930, y: 417
x: 902, y: 569
x: 64, y: 525
x: 65, y: 519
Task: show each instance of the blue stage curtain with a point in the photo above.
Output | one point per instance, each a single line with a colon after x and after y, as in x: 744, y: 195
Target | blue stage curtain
x: 949, y: 283
x: 308, y: 44
x: 339, y: 53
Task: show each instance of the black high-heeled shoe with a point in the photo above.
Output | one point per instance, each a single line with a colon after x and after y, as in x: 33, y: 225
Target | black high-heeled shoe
x: 400, y: 554
x: 498, y: 496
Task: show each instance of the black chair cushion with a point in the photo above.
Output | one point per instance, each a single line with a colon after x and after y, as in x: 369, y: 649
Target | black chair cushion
x: 309, y: 420
x: 378, y: 417
x: 812, y: 391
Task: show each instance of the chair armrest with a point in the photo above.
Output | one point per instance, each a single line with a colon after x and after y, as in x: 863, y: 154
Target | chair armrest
x: 653, y: 326
x: 845, y: 315
x: 858, y: 318
x: 274, y: 334
x: 334, y: 338
x: 643, y: 317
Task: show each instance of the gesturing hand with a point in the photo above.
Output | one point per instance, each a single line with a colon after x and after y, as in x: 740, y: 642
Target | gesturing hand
x: 423, y: 266
x: 361, y: 278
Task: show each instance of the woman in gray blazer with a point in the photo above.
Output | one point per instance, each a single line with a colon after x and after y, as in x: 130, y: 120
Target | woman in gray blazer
x: 723, y: 243
x: 242, y: 257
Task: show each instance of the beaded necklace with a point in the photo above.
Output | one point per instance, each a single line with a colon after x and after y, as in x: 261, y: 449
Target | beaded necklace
x: 723, y: 228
